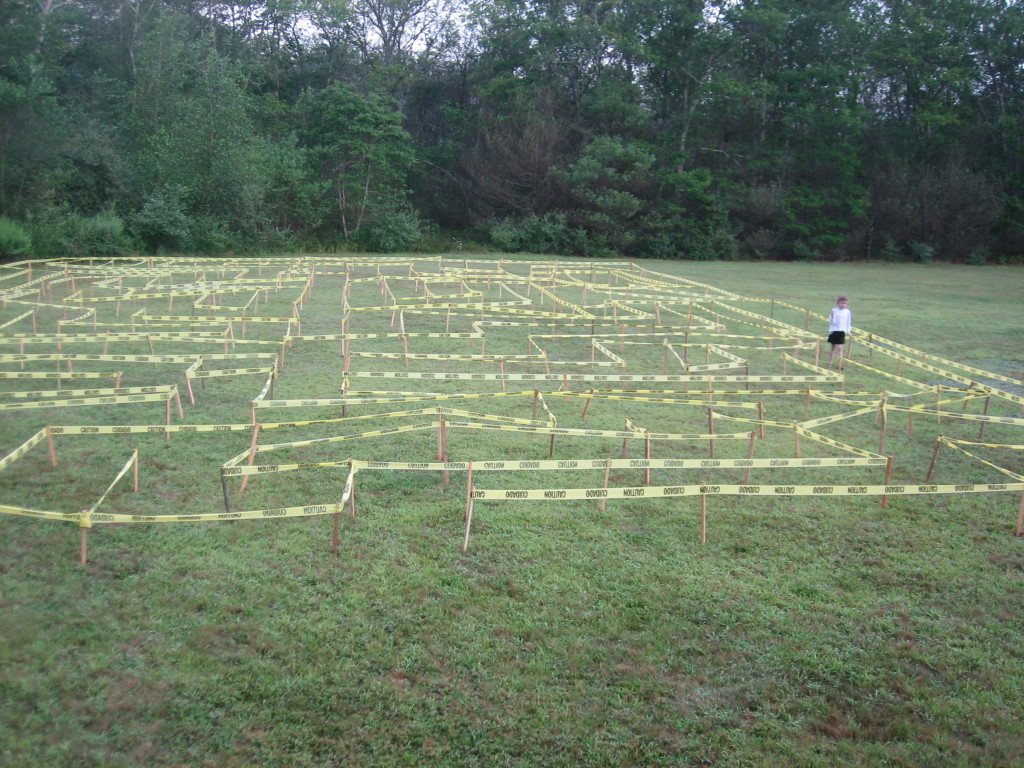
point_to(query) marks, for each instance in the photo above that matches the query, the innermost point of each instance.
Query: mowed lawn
(804, 632)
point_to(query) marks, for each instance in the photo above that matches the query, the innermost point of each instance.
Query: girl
(840, 321)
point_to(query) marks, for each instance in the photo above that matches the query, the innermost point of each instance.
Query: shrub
(891, 251)
(99, 235)
(922, 253)
(162, 223)
(209, 235)
(550, 233)
(979, 257)
(14, 240)
(393, 229)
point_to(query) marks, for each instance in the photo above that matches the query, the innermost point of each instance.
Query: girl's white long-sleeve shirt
(840, 320)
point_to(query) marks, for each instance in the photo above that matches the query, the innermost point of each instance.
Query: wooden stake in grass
(49, 442)
(1020, 518)
(984, 412)
(252, 454)
(882, 413)
(711, 431)
(935, 456)
(750, 455)
(703, 518)
(85, 524)
(224, 488)
(585, 407)
(647, 455)
(469, 507)
(888, 479)
(607, 472)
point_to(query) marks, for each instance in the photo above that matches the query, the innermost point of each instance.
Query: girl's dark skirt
(837, 337)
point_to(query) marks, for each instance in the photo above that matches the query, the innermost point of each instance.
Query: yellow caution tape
(648, 491)
(600, 464)
(588, 377)
(55, 375)
(956, 447)
(924, 410)
(164, 394)
(22, 449)
(227, 372)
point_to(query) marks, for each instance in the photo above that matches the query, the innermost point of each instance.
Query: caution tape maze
(600, 381)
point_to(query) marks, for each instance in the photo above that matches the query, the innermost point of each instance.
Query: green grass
(805, 632)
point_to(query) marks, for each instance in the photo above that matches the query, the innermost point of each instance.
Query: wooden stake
(935, 455)
(252, 454)
(607, 471)
(49, 440)
(469, 507)
(984, 412)
(703, 518)
(888, 480)
(585, 407)
(882, 413)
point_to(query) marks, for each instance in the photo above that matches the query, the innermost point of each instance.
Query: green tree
(358, 145)
(610, 180)
(190, 129)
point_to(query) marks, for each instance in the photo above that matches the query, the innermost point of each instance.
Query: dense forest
(694, 129)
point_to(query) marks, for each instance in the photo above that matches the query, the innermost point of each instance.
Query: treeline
(695, 129)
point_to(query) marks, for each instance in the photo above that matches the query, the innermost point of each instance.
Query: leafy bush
(922, 253)
(550, 233)
(393, 229)
(162, 224)
(209, 235)
(99, 235)
(804, 251)
(280, 240)
(14, 240)
(979, 257)
(891, 251)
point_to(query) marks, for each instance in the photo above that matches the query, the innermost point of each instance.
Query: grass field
(805, 631)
